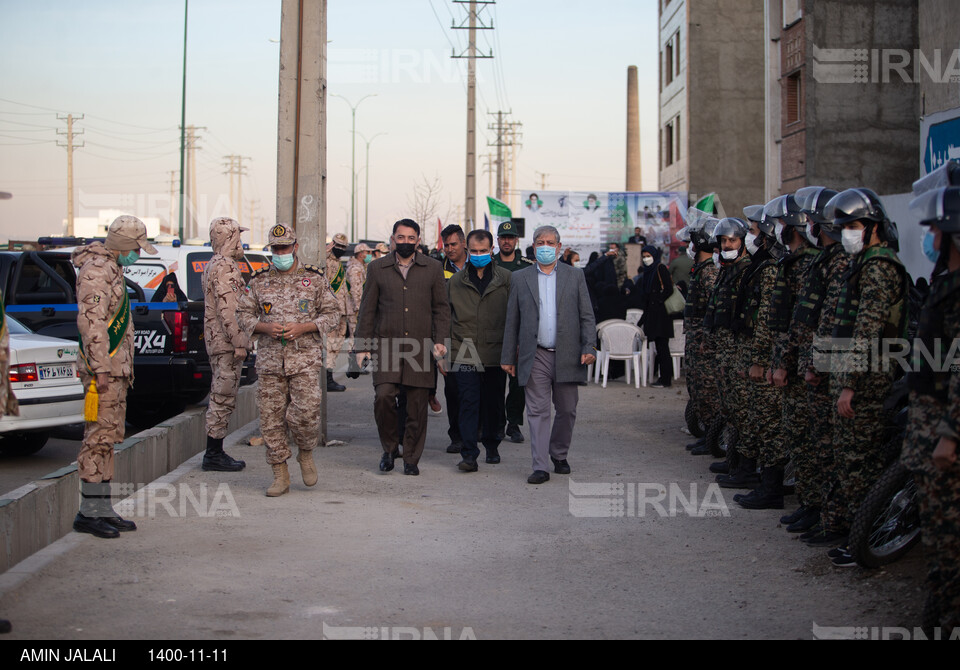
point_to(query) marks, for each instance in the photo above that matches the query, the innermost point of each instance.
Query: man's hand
(510, 370)
(292, 331)
(756, 373)
(845, 404)
(239, 353)
(588, 359)
(103, 381)
(779, 378)
(945, 455)
(271, 330)
(362, 357)
(439, 351)
(812, 378)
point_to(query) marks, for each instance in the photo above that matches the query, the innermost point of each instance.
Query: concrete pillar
(634, 170)
(301, 129)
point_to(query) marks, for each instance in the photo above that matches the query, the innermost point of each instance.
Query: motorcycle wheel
(888, 523)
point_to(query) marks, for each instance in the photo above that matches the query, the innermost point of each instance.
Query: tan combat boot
(281, 481)
(307, 467)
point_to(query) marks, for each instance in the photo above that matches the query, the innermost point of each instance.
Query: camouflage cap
(508, 229)
(127, 233)
(282, 235)
(361, 249)
(383, 248)
(340, 241)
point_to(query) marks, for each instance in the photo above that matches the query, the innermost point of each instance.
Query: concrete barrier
(42, 512)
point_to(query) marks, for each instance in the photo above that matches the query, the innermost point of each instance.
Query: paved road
(482, 555)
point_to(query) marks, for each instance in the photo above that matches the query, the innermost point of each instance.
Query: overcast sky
(561, 68)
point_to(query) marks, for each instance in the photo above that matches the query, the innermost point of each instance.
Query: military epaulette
(313, 268)
(525, 260)
(261, 271)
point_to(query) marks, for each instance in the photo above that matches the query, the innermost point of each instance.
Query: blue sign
(943, 143)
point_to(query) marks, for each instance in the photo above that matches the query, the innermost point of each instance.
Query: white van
(187, 264)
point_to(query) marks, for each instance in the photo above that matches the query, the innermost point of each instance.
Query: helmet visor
(754, 213)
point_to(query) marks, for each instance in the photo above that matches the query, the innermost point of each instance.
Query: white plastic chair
(593, 371)
(676, 345)
(634, 316)
(624, 342)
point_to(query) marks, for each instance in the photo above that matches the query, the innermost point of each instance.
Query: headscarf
(649, 274)
(620, 265)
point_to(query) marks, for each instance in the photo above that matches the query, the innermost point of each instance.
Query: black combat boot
(108, 514)
(215, 459)
(810, 519)
(332, 385)
(743, 477)
(88, 519)
(770, 493)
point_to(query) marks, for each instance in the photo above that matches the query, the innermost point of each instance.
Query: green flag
(707, 204)
(499, 212)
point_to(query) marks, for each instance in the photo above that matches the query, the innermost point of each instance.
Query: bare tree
(424, 203)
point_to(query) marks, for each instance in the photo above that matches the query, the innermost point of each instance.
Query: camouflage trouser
(794, 424)
(939, 494)
(95, 461)
(223, 393)
(815, 469)
(335, 340)
(737, 392)
(289, 402)
(703, 379)
(766, 412)
(858, 450)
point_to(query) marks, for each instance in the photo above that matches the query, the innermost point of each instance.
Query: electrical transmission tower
(235, 167)
(472, 23)
(70, 133)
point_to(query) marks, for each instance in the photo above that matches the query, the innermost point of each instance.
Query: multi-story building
(712, 100)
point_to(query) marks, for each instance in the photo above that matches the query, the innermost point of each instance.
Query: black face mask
(406, 250)
(338, 253)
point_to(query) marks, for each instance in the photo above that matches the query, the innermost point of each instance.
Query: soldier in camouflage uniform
(761, 413)
(933, 429)
(106, 365)
(226, 343)
(699, 352)
(337, 278)
(509, 258)
(356, 277)
(719, 323)
(790, 228)
(872, 310)
(288, 306)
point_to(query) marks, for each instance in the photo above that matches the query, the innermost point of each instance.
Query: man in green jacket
(478, 309)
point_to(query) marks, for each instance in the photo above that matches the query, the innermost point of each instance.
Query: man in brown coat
(404, 318)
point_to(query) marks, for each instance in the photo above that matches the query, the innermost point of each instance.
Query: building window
(676, 136)
(794, 98)
(668, 145)
(676, 49)
(661, 73)
(791, 12)
(668, 63)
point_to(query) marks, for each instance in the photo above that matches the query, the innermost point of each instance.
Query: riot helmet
(862, 204)
(813, 203)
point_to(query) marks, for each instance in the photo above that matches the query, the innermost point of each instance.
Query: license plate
(56, 371)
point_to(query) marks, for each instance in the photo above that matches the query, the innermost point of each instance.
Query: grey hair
(545, 230)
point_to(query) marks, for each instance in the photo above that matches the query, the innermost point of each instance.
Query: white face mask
(692, 252)
(648, 261)
(778, 231)
(852, 241)
(814, 240)
(731, 255)
(716, 258)
(752, 246)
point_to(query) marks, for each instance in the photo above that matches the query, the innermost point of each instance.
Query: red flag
(439, 230)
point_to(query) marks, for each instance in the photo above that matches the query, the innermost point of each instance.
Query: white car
(44, 378)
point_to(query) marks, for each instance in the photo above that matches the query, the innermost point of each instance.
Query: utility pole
(472, 23)
(173, 202)
(183, 121)
(191, 182)
(69, 118)
(500, 143)
(236, 168)
(513, 129)
(543, 179)
(488, 170)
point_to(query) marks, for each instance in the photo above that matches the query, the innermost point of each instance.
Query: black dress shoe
(493, 457)
(455, 447)
(411, 470)
(386, 462)
(95, 526)
(467, 465)
(560, 467)
(513, 432)
(120, 524)
(538, 477)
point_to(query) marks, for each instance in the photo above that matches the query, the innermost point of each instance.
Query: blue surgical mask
(480, 261)
(128, 258)
(546, 255)
(367, 258)
(929, 246)
(283, 263)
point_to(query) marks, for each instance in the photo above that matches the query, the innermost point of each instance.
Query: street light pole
(353, 161)
(366, 207)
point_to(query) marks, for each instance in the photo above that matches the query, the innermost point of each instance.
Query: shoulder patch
(313, 268)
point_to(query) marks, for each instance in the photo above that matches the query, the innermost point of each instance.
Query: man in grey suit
(548, 342)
